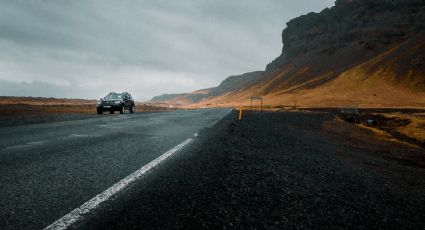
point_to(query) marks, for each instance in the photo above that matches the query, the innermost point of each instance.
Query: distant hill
(230, 85)
(365, 52)
(10, 100)
(182, 99)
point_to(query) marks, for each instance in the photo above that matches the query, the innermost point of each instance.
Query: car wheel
(99, 111)
(133, 109)
(122, 109)
(111, 112)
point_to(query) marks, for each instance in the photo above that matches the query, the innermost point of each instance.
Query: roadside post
(257, 99)
(250, 107)
(261, 105)
(240, 113)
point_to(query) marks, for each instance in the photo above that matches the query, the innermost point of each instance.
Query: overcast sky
(85, 49)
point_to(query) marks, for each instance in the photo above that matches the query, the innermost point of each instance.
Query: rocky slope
(365, 52)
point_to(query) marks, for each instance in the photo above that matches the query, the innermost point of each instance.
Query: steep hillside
(394, 78)
(365, 52)
(236, 83)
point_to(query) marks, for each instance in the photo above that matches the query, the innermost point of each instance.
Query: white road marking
(27, 144)
(78, 135)
(112, 126)
(36, 142)
(78, 213)
(214, 122)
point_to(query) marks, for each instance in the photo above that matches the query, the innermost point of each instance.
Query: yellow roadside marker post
(240, 113)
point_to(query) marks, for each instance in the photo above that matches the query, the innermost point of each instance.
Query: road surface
(283, 170)
(48, 170)
(272, 170)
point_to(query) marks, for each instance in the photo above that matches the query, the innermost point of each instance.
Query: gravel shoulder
(278, 170)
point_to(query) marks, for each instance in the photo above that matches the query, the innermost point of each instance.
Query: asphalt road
(47, 170)
(282, 170)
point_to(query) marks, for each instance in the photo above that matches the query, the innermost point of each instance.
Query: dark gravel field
(278, 171)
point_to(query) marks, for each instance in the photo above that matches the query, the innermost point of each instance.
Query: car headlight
(98, 102)
(117, 102)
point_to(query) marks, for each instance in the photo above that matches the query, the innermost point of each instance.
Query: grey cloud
(39, 89)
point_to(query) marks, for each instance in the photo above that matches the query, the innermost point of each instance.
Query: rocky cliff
(371, 26)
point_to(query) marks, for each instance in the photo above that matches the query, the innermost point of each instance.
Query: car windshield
(112, 96)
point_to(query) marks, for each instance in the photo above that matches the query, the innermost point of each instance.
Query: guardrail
(353, 109)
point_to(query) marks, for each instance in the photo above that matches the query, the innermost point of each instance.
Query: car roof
(119, 93)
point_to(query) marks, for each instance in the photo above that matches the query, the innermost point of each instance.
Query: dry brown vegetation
(413, 127)
(40, 106)
(406, 127)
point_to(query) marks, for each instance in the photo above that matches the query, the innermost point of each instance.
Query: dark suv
(116, 102)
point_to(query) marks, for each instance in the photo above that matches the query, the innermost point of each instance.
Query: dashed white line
(78, 213)
(78, 135)
(215, 122)
(27, 144)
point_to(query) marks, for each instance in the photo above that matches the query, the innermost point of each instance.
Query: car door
(127, 100)
(130, 101)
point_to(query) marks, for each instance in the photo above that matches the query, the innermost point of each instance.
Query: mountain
(230, 85)
(181, 99)
(365, 52)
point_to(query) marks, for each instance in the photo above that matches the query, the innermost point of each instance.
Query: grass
(415, 129)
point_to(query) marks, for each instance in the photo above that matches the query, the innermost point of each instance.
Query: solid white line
(78, 213)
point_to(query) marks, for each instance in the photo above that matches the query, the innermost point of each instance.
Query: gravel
(275, 171)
